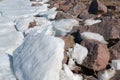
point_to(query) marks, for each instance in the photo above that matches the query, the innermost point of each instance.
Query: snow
(107, 74)
(39, 58)
(91, 21)
(94, 36)
(42, 24)
(71, 64)
(43, 1)
(63, 26)
(42, 21)
(20, 8)
(50, 14)
(10, 39)
(6, 72)
(69, 75)
(78, 53)
(22, 24)
(116, 64)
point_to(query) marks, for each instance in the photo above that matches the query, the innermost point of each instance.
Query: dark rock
(96, 6)
(87, 72)
(93, 8)
(77, 36)
(111, 7)
(115, 51)
(98, 55)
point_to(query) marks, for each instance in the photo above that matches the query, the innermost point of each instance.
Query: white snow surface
(107, 74)
(39, 58)
(94, 36)
(10, 39)
(71, 64)
(116, 64)
(42, 24)
(20, 8)
(91, 21)
(22, 23)
(78, 53)
(69, 75)
(6, 72)
(50, 13)
(63, 26)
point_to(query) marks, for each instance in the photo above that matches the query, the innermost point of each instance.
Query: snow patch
(78, 53)
(32, 59)
(116, 64)
(91, 21)
(94, 36)
(6, 72)
(107, 74)
(63, 26)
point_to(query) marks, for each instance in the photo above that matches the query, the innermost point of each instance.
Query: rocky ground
(65, 40)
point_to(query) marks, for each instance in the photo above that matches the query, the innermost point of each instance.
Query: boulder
(98, 55)
(78, 9)
(107, 28)
(77, 36)
(69, 41)
(63, 15)
(115, 51)
(97, 6)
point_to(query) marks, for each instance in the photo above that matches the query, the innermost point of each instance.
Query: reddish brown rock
(65, 59)
(107, 28)
(98, 55)
(76, 70)
(66, 6)
(79, 9)
(63, 15)
(115, 51)
(69, 41)
(32, 24)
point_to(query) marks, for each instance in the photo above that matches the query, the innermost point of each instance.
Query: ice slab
(39, 58)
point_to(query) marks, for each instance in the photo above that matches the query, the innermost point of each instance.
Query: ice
(6, 72)
(39, 58)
